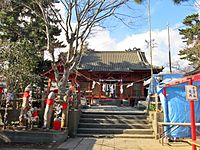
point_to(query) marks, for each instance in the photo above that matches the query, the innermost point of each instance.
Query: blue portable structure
(175, 107)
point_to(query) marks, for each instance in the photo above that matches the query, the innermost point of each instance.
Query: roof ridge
(113, 51)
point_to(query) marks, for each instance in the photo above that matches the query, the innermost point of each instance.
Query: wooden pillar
(156, 101)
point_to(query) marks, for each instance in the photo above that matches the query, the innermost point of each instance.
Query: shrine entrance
(109, 88)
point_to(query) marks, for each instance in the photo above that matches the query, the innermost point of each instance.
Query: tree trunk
(61, 93)
(64, 122)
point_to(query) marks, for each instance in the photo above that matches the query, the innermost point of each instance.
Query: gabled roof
(111, 61)
(125, 61)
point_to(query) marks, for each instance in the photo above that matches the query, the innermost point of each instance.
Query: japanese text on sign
(191, 92)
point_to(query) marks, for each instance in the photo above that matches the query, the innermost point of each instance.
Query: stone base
(32, 136)
(111, 102)
(74, 116)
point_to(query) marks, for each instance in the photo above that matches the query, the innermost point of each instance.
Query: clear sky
(162, 13)
(118, 36)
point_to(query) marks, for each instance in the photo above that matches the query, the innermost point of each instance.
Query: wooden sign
(191, 92)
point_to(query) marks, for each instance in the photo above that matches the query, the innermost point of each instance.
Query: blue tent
(158, 80)
(175, 106)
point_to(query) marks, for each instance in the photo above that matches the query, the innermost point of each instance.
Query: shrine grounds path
(102, 144)
(86, 143)
(120, 144)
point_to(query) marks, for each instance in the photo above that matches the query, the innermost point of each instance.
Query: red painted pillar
(120, 84)
(48, 87)
(164, 91)
(79, 94)
(100, 91)
(142, 88)
(192, 117)
(89, 88)
(90, 92)
(131, 100)
(73, 84)
(132, 79)
(166, 107)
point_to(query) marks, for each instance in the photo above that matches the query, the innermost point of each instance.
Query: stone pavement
(119, 144)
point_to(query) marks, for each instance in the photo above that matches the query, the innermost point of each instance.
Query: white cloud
(197, 5)
(102, 41)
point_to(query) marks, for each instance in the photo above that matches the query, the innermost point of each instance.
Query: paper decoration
(129, 85)
(112, 89)
(93, 84)
(104, 87)
(121, 89)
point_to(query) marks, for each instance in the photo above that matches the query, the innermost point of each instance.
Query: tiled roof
(114, 61)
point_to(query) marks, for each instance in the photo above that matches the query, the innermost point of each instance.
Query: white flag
(112, 89)
(77, 84)
(104, 87)
(121, 89)
(129, 85)
(98, 83)
(93, 84)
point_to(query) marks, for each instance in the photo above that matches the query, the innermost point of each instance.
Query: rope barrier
(77, 72)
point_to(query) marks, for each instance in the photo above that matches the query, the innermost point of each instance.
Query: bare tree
(81, 17)
(178, 67)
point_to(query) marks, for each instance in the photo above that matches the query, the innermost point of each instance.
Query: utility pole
(150, 42)
(170, 64)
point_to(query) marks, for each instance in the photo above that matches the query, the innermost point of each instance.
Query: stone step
(146, 136)
(113, 112)
(114, 121)
(115, 126)
(107, 121)
(116, 116)
(114, 131)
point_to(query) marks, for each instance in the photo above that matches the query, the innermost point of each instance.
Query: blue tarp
(158, 80)
(175, 106)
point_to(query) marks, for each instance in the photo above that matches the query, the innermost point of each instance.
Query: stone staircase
(114, 123)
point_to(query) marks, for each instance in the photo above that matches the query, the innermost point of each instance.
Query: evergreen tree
(23, 40)
(191, 36)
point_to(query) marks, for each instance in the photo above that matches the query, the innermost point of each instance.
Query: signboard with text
(191, 92)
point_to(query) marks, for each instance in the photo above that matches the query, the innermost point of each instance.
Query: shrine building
(111, 75)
